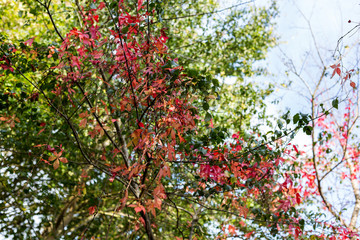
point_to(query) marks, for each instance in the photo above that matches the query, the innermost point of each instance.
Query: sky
(307, 29)
(329, 21)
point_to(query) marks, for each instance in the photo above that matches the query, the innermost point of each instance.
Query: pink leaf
(112, 178)
(101, 5)
(29, 42)
(211, 124)
(140, 2)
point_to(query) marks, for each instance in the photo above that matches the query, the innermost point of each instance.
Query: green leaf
(335, 103)
(296, 118)
(308, 130)
(206, 106)
(125, 29)
(302, 224)
(208, 117)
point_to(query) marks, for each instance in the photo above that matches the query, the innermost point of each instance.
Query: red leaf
(101, 5)
(39, 145)
(336, 70)
(84, 114)
(3, 66)
(51, 149)
(116, 169)
(139, 209)
(163, 37)
(248, 235)
(83, 122)
(41, 131)
(298, 198)
(232, 229)
(335, 66)
(123, 200)
(142, 220)
(141, 124)
(243, 211)
(92, 210)
(63, 160)
(42, 124)
(296, 150)
(352, 84)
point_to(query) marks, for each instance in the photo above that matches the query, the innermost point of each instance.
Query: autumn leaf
(84, 114)
(114, 170)
(112, 178)
(56, 158)
(298, 198)
(135, 137)
(92, 210)
(83, 122)
(138, 208)
(140, 2)
(296, 150)
(39, 145)
(248, 235)
(232, 229)
(41, 130)
(337, 70)
(56, 164)
(101, 5)
(243, 211)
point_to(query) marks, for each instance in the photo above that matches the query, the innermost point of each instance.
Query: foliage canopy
(116, 122)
